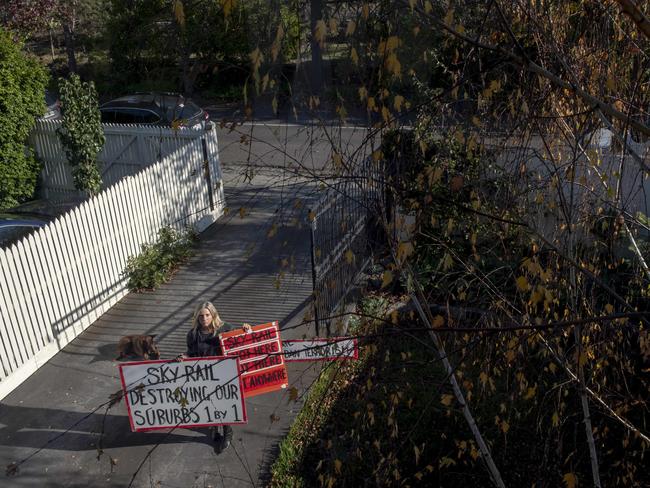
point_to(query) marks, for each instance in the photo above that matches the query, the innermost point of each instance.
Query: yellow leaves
(531, 392)
(311, 216)
(179, 12)
(354, 56)
(446, 400)
(386, 278)
(449, 17)
(351, 27)
(228, 6)
(474, 453)
(293, 394)
(377, 155)
(385, 114)
(393, 65)
(338, 465)
(320, 32)
(522, 284)
(447, 262)
(505, 427)
(337, 160)
(334, 27)
(365, 11)
(397, 102)
(388, 46)
(446, 461)
(483, 378)
(277, 43)
(404, 250)
(433, 174)
(492, 88)
(609, 308)
(242, 212)
(476, 121)
(438, 321)
(256, 58)
(177, 124)
(371, 103)
(349, 256)
(341, 112)
(555, 419)
(582, 359)
(611, 83)
(363, 93)
(570, 480)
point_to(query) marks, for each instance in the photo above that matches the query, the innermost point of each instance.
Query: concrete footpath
(254, 272)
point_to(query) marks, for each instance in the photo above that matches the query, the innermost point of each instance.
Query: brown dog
(141, 346)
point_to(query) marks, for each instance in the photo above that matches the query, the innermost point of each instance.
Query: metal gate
(340, 223)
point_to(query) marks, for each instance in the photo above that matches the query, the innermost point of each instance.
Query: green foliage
(156, 262)
(22, 88)
(81, 133)
(208, 51)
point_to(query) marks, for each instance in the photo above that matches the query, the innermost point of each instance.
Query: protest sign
(192, 392)
(332, 349)
(261, 362)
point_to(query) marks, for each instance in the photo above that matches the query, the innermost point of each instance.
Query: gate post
(206, 169)
(312, 229)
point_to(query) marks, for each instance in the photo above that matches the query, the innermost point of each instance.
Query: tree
(179, 44)
(30, 18)
(22, 88)
(81, 133)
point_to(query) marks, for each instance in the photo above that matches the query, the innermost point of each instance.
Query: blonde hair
(216, 322)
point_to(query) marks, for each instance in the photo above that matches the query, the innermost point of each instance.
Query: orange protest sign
(261, 362)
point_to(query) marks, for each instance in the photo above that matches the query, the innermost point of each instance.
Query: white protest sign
(332, 349)
(189, 393)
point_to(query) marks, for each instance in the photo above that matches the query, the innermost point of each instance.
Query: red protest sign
(261, 363)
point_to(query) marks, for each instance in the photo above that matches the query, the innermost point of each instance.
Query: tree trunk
(68, 37)
(316, 14)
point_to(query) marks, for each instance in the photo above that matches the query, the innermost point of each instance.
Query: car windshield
(179, 109)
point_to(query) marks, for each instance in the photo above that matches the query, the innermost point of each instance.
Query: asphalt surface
(254, 265)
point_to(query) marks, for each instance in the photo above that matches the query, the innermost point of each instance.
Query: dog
(141, 346)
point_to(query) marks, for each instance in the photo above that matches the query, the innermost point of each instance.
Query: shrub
(22, 99)
(81, 133)
(157, 262)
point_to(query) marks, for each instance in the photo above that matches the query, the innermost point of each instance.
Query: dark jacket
(199, 345)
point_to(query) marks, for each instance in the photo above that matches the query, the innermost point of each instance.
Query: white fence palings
(70, 272)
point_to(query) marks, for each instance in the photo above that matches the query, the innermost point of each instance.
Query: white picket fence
(128, 149)
(57, 281)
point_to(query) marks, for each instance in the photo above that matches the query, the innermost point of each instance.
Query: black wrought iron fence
(341, 222)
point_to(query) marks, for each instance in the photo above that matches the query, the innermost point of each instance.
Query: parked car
(163, 109)
(14, 226)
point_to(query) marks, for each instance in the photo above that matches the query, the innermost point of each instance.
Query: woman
(203, 340)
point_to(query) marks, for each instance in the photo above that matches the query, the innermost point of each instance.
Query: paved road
(255, 269)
